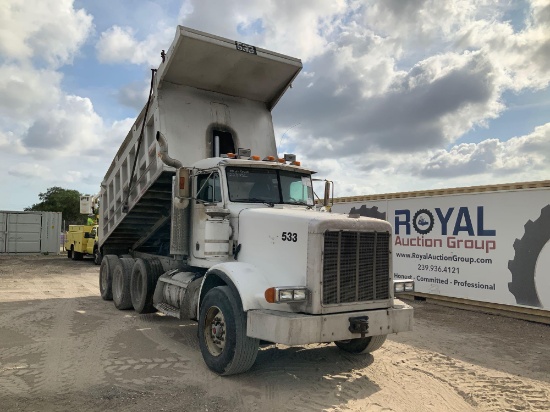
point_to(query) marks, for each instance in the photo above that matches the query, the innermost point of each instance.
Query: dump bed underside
(146, 227)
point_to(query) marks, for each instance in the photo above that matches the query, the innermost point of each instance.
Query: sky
(395, 95)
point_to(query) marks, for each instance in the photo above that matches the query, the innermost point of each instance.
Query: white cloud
(51, 30)
(30, 171)
(71, 127)
(9, 144)
(48, 136)
(520, 158)
(26, 92)
(376, 88)
(521, 59)
(37, 115)
(119, 45)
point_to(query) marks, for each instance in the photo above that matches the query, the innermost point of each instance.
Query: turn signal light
(255, 157)
(231, 155)
(270, 295)
(281, 160)
(296, 163)
(269, 158)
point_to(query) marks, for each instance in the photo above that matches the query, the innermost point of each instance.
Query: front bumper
(299, 329)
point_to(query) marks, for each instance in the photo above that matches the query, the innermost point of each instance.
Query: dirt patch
(62, 348)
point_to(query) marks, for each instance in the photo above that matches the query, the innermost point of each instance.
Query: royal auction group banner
(490, 247)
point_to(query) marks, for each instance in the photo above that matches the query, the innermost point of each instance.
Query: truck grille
(356, 267)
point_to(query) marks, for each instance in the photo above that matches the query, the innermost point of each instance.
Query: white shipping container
(29, 232)
(490, 245)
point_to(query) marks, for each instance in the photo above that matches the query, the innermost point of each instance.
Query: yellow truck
(82, 240)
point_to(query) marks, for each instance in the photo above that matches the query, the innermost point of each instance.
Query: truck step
(167, 309)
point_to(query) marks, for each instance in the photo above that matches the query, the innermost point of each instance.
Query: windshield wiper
(298, 202)
(257, 200)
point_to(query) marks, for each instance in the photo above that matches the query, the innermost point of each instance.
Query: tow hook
(359, 324)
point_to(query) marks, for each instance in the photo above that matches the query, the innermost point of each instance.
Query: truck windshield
(250, 185)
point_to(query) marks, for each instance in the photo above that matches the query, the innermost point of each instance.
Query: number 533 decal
(290, 236)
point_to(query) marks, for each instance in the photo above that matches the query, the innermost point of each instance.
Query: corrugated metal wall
(29, 232)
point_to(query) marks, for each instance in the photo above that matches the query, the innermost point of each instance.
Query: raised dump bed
(207, 89)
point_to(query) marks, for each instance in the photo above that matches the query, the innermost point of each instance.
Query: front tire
(70, 253)
(225, 347)
(362, 345)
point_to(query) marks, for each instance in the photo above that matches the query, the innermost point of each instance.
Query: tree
(57, 199)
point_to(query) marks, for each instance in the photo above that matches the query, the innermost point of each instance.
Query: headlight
(286, 294)
(403, 286)
(300, 294)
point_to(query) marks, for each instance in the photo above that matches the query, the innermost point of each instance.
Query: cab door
(210, 235)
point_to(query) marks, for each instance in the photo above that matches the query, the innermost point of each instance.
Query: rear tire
(70, 253)
(106, 276)
(145, 274)
(225, 347)
(362, 345)
(122, 276)
(76, 255)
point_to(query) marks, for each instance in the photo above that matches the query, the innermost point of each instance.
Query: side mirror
(329, 194)
(182, 191)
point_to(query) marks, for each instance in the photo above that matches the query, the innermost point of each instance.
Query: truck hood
(285, 244)
(316, 222)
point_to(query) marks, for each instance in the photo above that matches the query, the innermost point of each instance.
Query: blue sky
(394, 95)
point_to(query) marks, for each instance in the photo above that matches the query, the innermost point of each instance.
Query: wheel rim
(215, 331)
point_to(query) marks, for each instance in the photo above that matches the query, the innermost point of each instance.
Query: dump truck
(200, 218)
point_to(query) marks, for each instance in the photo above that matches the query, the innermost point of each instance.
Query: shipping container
(29, 232)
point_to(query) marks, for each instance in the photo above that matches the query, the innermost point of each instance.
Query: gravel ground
(62, 348)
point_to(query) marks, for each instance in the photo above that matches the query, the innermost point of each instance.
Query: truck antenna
(283, 135)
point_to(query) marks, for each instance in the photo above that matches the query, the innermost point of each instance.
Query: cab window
(208, 188)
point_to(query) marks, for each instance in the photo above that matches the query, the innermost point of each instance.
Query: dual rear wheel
(129, 282)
